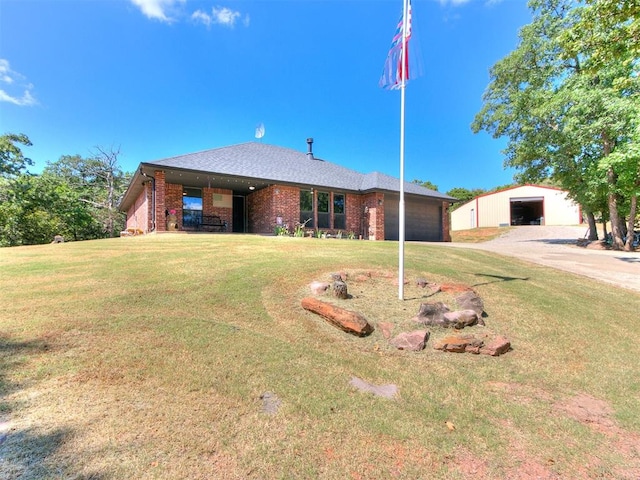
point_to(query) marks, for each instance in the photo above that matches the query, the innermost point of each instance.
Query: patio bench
(213, 223)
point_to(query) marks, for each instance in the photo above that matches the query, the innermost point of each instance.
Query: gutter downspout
(153, 200)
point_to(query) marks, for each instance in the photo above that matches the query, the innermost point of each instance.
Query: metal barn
(521, 205)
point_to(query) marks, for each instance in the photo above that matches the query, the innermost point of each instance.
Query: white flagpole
(401, 225)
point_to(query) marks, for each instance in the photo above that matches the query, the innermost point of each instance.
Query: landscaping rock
(58, 239)
(318, 288)
(421, 282)
(338, 276)
(386, 328)
(346, 320)
(414, 341)
(431, 313)
(497, 346)
(270, 403)
(473, 344)
(386, 391)
(339, 289)
(459, 344)
(470, 300)
(460, 319)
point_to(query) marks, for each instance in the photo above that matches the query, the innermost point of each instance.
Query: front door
(239, 214)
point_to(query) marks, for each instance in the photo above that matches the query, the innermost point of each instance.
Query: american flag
(394, 71)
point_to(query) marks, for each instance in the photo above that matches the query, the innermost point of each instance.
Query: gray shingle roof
(279, 164)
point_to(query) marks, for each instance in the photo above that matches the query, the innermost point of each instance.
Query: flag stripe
(394, 72)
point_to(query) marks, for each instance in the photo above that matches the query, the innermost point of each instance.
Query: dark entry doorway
(527, 211)
(239, 214)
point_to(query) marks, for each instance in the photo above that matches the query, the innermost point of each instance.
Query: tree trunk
(614, 215)
(628, 246)
(593, 229)
(612, 198)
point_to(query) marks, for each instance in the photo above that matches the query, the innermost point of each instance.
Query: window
(323, 210)
(191, 207)
(339, 222)
(306, 208)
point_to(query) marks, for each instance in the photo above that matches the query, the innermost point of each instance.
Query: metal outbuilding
(521, 205)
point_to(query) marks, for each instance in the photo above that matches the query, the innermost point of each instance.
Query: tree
(568, 112)
(426, 184)
(12, 161)
(73, 197)
(464, 195)
(100, 183)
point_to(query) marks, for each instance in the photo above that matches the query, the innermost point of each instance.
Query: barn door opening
(527, 211)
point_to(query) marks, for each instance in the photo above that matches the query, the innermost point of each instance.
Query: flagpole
(401, 223)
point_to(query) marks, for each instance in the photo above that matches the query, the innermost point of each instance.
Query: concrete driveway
(556, 247)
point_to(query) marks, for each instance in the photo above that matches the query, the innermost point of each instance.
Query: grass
(146, 357)
(477, 235)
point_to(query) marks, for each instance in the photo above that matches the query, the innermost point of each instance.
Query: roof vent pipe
(310, 144)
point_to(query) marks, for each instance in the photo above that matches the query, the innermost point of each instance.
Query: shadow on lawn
(26, 453)
(498, 278)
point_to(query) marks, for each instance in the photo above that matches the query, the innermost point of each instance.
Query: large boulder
(346, 320)
(437, 314)
(470, 300)
(460, 319)
(431, 313)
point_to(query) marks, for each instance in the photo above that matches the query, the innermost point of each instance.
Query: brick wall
(446, 222)
(225, 214)
(354, 210)
(139, 213)
(269, 204)
(374, 218)
(173, 201)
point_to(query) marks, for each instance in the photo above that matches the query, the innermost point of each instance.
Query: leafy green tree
(426, 184)
(73, 197)
(12, 161)
(99, 182)
(568, 113)
(464, 195)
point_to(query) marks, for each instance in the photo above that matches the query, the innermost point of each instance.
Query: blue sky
(158, 78)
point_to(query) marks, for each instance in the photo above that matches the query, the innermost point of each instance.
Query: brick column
(446, 222)
(375, 216)
(161, 224)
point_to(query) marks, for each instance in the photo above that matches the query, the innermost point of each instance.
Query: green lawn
(147, 357)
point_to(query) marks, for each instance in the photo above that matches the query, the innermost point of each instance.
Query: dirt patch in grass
(597, 414)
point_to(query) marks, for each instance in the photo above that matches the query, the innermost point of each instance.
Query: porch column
(161, 190)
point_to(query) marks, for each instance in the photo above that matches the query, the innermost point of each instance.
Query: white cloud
(11, 78)
(220, 16)
(158, 9)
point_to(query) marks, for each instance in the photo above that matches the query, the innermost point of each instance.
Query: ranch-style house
(254, 188)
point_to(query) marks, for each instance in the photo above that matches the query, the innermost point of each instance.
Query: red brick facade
(271, 206)
(266, 208)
